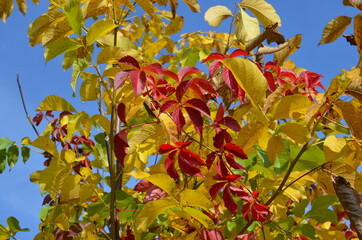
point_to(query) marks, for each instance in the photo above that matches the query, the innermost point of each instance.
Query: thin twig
(24, 106)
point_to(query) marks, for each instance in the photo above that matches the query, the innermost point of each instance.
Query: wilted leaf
(193, 5)
(22, 6)
(175, 25)
(249, 78)
(99, 29)
(6, 7)
(60, 46)
(215, 15)
(334, 29)
(294, 44)
(263, 11)
(55, 103)
(352, 115)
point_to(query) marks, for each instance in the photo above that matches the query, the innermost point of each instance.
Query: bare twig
(260, 38)
(24, 106)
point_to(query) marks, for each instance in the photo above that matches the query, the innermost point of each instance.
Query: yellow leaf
(55, 103)
(94, 8)
(62, 221)
(333, 147)
(216, 14)
(6, 7)
(43, 143)
(152, 209)
(275, 147)
(352, 115)
(294, 44)
(193, 5)
(103, 122)
(109, 54)
(175, 25)
(99, 29)
(292, 106)
(195, 198)
(199, 216)
(22, 6)
(249, 135)
(89, 90)
(247, 27)
(60, 46)
(69, 156)
(70, 193)
(89, 192)
(55, 31)
(146, 6)
(249, 78)
(163, 181)
(334, 29)
(353, 154)
(296, 132)
(358, 31)
(263, 11)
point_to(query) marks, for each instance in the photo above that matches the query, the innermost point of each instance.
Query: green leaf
(99, 29)
(5, 142)
(4, 233)
(60, 46)
(323, 215)
(189, 57)
(55, 103)
(305, 229)
(78, 66)
(263, 11)
(14, 226)
(281, 162)
(74, 15)
(216, 14)
(310, 159)
(249, 78)
(324, 201)
(2, 160)
(13, 155)
(25, 153)
(300, 207)
(199, 216)
(151, 211)
(334, 29)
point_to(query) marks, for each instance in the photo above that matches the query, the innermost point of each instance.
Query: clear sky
(21, 198)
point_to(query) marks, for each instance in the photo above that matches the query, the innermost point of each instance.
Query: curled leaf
(215, 15)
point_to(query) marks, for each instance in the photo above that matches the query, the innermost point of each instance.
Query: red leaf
(130, 61)
(229, 202)
(196, 119)
(271, 82)
(288, 74)
(270, 65)
(187, 71)
(121, 111)
(182, 88)
(230, 81)
(138, 80)
(245, 210)
(221, 168)
(238, 52)
(179, 119)
(166, 148)
(239, 192)
(170, 74)
(231, 161)
(235, 150)
(167, 105)
(183, 144)
(214, 66)
(230, 123)
(220, 113)
(210, 159)
(121, 145)
(154, 193)
(143, 186)
(186, 167)
(154, 68)
(199, 105)
(233, 177)
(169, 166)
(214, 56)
(38, 118)
(120, 79)
(221, 137)
(259, 211)
(213, 234)
(205, 85)
(191, 157)
(215, 189)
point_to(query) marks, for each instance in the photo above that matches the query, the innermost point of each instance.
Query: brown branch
(24, 106)
(260, 38)
(270, 50)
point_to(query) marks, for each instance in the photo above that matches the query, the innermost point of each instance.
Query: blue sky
(19, 197)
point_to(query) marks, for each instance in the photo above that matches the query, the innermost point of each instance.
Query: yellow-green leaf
(99, 29)
(6, 7)
(247, 27)
(250, 134)
(296, 132)
(110, 54)
(193, 5)
(43, 143)
(333, 147)
(195, 198)
(78, 67)
(215, 15)
(175, 25)
(103, 122)
(74, 15)
(89, 90)
(22, 6)
(292, 106)
(70, 190)
(55, 31)
(199, 216)
(249, 78)
(334, 29)
(152, 209)
(275, 148)
(55, 103)
(352, 115)
(294, 44)
(60, 46)
(163, 181)
(263, 11)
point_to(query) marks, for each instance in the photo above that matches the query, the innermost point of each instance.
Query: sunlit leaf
(294, 44)
(6, 7)
(22, 6)
(13, 155)
(296, 132)
(60, 46)
(263, 11)
(42, 143)
(163, 181)
(175, 25)
(55, 103)
(293, 106)
(247, 27)
(146, 6)
(193, 5)
(334, 29)
(78, 66)
(195, 198)
(99, 29)
(352, 115)
(74, 15)
(333, 147)
(5, 142)
(14, 226)
(215, 15)
(199, 216)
